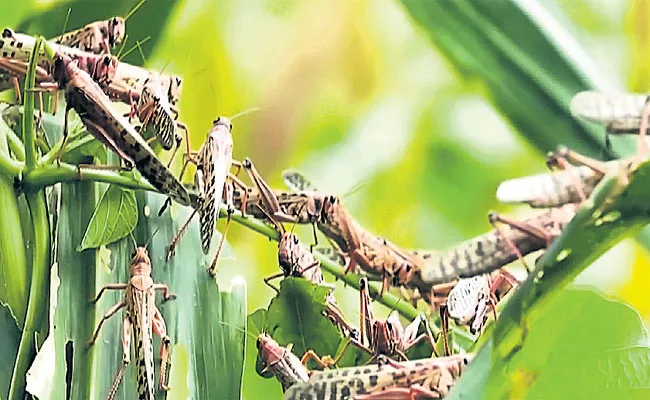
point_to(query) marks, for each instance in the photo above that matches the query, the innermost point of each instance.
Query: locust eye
(216, 121)
(259, 342)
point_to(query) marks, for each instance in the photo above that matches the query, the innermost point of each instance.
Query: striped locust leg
(426, 378)
(95, 110)
(388, 336)
(141, 321)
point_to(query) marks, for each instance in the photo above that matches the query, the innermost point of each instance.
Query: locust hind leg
(172, 245)
(126, 357)
(444, 328)
(524, 227)
(160, 329)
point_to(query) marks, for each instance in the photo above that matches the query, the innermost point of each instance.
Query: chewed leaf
(115, 217)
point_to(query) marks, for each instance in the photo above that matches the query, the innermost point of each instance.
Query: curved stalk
(37, 305)
(50, 174)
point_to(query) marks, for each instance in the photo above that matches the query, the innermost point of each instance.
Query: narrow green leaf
(115, 217)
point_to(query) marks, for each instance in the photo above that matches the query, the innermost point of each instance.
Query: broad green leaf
(577, 347)
(115, 217)
(295, 316)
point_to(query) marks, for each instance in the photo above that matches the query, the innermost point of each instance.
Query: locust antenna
(242, 113)
(65, 23)
(137, 46)
(134, 9)
(146, 246)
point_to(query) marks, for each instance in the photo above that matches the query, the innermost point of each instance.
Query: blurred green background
(356, 96)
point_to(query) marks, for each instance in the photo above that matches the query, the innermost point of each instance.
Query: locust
(430, 378)
(142, 319)
(573, 181)
(94, 108)
(373, 254)
(152, 108)
(619, 112)
(470, 299)
(97, 37)
(489, 251)
(283, 364)
(388, 336)
(213, 181)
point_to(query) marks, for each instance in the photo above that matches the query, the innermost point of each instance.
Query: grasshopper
(373, 254)
(213, 181)
(152, 108)
(430, 378)
(619, 112)
(94, 109)
(283, 364)
(388, 336)
(490, 251)
(96, 37)
(570, 184)
(142, 320)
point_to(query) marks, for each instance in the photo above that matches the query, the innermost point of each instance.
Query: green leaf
(295, 316)
(115, 217)
(577, 347)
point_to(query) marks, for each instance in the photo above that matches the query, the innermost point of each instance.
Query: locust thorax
(100, 68)
(387, 334)
(141, 264)
(288, 253)
(116, 31)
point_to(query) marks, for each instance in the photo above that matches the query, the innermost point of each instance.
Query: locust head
(62, 69)
(140, 263)
(269, 352)
(222, 121)
(116, 31)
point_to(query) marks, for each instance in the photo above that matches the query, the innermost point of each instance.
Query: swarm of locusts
(463, 283)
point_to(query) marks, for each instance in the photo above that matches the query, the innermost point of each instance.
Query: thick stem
(51, 174)
(37, 305)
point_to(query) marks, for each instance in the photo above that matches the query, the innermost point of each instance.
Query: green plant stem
(38, 293)
(8, 166)
(15, 144)
(49, 174)
(28, 114)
